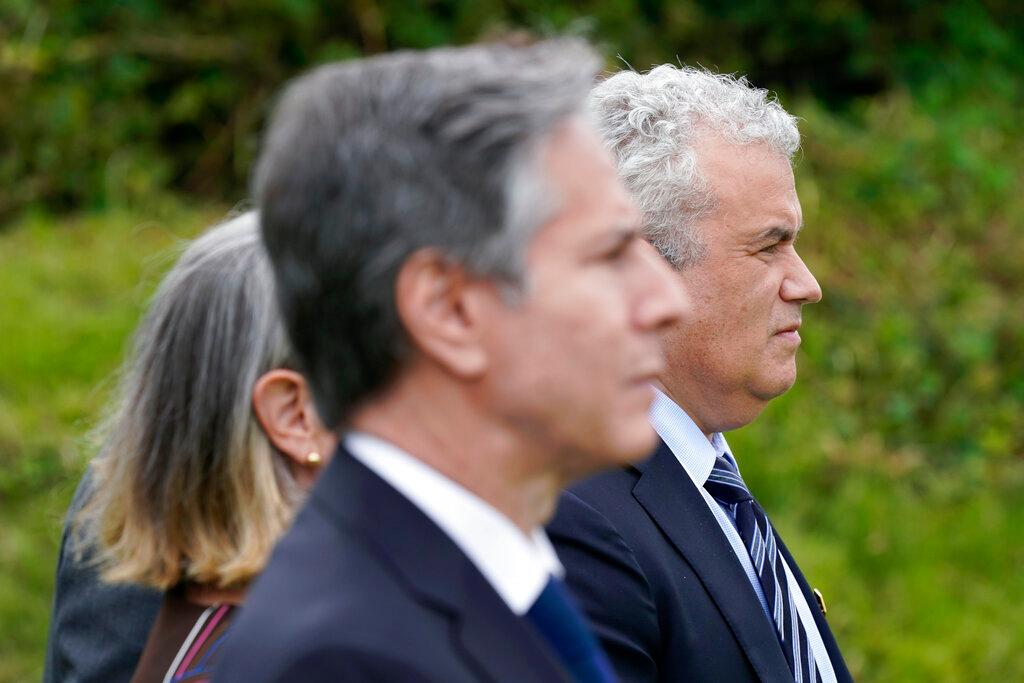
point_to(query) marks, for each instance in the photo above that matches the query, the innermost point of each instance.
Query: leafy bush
(109, 100)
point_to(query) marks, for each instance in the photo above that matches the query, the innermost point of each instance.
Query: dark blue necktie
(560, 623)
(727, 487)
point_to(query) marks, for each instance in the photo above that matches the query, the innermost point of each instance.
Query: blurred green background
(894, 469)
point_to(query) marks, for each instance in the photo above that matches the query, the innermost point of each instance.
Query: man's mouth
(789, 333)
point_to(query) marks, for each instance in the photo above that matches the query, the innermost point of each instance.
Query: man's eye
(618, 252)
(771, 248)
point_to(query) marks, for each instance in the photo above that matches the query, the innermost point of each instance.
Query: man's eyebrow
(620, 234)
(616, 238)
(777, 234)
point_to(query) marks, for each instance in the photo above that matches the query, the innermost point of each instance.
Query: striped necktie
(727, 487)
(560, 623)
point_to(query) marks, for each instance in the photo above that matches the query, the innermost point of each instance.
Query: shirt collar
(516, 565)
(685, 439)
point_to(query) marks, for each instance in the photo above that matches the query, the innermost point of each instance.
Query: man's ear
(442, 308)
(283, 405)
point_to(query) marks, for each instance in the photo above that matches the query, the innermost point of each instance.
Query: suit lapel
(502, 644)
(669, 496)
(497, 643)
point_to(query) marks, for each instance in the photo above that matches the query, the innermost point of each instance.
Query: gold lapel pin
(821, 602)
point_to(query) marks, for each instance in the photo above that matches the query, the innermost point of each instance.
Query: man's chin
(640, 444)
(631, 444)
(775, 386)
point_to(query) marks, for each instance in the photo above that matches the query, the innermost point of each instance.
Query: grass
(72, 291)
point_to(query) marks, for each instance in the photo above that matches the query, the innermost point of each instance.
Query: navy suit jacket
(661, 584)
(365, 587)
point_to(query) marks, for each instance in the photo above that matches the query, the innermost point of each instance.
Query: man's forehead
(715, 152)
(583, 175)
(751, 174)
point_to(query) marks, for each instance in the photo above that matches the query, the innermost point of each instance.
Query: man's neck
(682, 403)
(441, 429)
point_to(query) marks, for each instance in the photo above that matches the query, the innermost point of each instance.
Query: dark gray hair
(652, 121)
(187, 485)
(366, 162)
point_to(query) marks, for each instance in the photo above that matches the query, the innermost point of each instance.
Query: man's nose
(800, 285)
(665, 299)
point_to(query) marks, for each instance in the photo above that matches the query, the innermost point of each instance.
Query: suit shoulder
(612, 484)
(610, 583)
(583, 536)
(609, 494)
(331, 569)
(353, 610)
(324, 662)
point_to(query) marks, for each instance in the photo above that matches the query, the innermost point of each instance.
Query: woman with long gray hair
(210, 445)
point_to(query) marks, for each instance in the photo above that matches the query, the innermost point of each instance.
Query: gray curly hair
(652, 122)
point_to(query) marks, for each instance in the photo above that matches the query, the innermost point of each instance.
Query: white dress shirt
(516, 565)
(697, 456)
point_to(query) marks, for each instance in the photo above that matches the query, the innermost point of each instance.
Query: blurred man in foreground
(679, 569)
(461, 274)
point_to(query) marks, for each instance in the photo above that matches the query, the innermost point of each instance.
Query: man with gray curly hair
(679, 568)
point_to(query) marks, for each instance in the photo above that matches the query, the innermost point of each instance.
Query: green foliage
(106, 101)
(894, 468)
